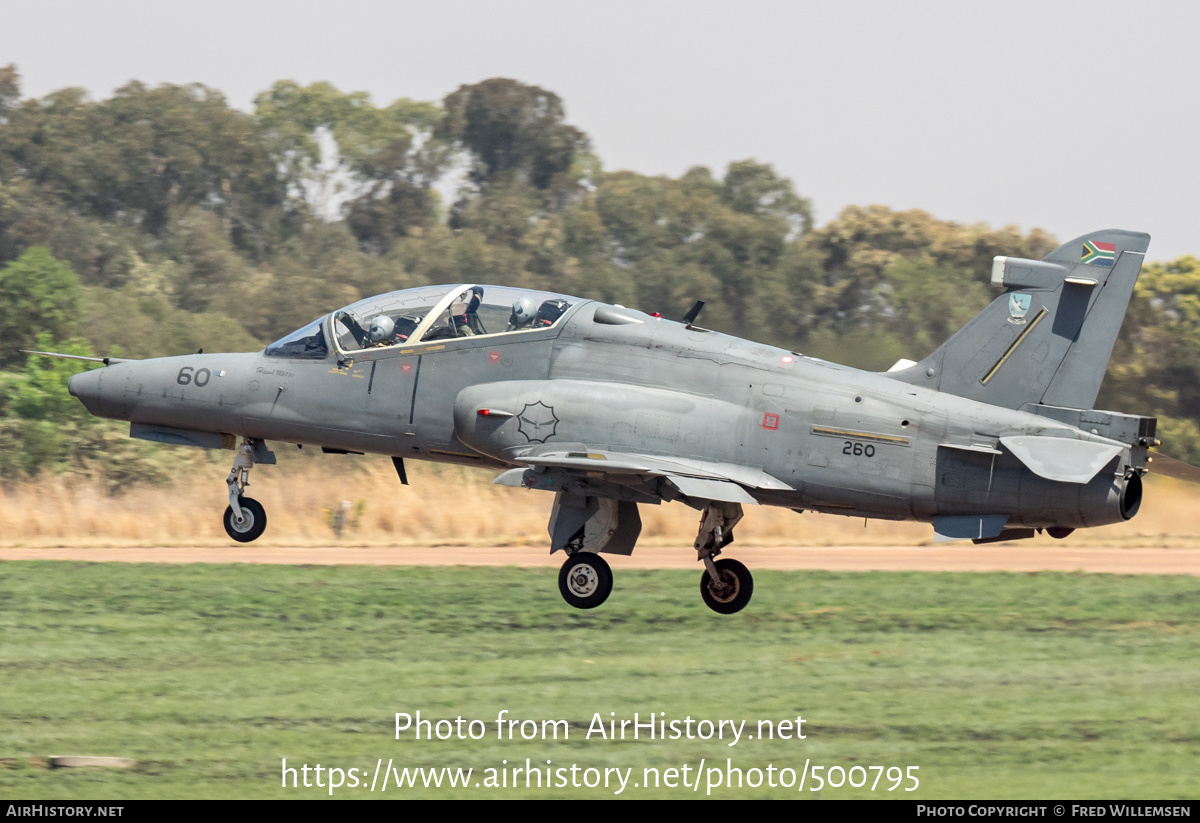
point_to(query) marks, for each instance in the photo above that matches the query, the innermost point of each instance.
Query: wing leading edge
(697, 479)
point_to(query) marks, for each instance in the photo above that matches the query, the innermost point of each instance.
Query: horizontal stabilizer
(1060, 458)
(978, 448)
(1170, 467)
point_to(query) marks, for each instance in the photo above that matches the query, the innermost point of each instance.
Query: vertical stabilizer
(1048, 337)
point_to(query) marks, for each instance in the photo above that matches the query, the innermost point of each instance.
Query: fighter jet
(991, 437)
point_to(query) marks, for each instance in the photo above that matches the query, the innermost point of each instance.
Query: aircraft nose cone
(86, 386)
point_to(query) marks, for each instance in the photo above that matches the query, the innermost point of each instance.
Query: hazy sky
(1069, 116)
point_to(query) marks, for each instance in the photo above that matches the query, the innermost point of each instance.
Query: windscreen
(308, 342)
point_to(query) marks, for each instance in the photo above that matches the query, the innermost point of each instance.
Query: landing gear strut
(245, 518)
(726, 585)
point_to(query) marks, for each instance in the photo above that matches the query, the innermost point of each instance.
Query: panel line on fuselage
(412, 403)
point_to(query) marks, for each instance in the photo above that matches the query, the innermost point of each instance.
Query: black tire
(735, 595)
(254, 521)
(585, 580)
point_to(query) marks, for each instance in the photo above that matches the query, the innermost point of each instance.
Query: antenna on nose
(105, 360)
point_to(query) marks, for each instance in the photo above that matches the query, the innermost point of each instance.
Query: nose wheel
(252, 523)
(585, 580)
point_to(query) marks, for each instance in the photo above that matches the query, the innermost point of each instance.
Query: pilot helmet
(382, 329)
(523, 311)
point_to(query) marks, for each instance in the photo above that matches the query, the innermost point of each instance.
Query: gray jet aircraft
(991, 437)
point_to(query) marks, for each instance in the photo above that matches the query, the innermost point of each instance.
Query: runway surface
(947, 557)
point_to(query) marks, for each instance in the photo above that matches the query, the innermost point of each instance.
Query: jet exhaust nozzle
(1131, 496)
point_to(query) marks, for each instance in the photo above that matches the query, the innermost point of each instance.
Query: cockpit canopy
(422, 315)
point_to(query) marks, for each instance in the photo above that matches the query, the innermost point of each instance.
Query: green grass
(995, 685)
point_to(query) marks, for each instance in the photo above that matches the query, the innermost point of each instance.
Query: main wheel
(254, 521)
(739, 585)
(585, 580)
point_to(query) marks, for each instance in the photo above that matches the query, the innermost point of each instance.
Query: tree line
(162, 220)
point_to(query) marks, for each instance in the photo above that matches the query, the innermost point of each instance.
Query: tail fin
(1048, 338)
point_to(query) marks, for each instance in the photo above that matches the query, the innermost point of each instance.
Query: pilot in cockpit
(382, 331)
(465, 313)
(524, 310)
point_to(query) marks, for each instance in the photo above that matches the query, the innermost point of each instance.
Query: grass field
(445, 505)
(994, 685)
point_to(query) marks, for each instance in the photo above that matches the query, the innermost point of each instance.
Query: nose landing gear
(245, 518)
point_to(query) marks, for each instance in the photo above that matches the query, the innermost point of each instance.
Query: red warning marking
(771, 421)
(494, 356)
(406, 367)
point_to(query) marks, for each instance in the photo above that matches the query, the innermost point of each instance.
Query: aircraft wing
(692, 478)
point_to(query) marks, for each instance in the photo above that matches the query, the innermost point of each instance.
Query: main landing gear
(245, 518)
(726, 585)
(733, 592)
(585, 580)
(584, 527)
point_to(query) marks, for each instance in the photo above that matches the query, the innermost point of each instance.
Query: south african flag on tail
(1099, 254)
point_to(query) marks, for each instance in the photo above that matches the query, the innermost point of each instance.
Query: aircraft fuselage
(826, 437)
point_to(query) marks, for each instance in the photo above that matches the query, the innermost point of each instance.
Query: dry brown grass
(445, 505)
